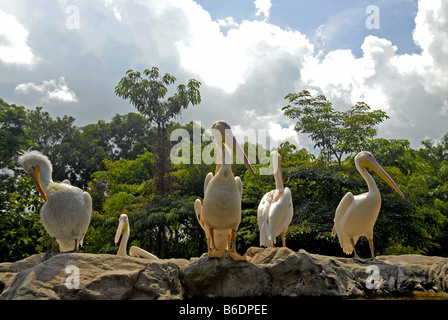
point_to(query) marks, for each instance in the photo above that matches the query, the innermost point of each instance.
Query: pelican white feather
(355, 216)
(220, 212)
(275, 210)
(67, 210)
(125, 230)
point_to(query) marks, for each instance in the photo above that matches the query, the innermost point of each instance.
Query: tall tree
(146, 93)
(58, 139)
(12, 134)
(335, 133)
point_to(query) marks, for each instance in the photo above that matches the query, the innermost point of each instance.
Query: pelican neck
(45, 177)
(371, 184)
(278, 176)
(225, 164)
(123, 243)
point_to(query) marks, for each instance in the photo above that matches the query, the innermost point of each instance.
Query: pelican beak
(122, 227)
(238, 150)
(280, 168)
(278, 172)
(373, 165)
(34, 173)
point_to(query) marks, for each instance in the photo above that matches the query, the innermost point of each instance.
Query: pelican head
(224, 138)
(365, 159)
(37, 165)
(123, 227)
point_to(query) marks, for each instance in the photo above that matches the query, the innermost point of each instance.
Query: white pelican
(275, 209)
(220, 213)
(123, 227)
(356, 215)
(221, 238)
(67, 209)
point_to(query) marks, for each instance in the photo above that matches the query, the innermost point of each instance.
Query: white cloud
(411, 88)
(246, 65)
(110, 4)
(430, 33)
(227, 22)
(228, 61)
(269, 130)
(263, 7)
(13, 41)
(49, 90)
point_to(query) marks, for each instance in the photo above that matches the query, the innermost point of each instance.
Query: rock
(282, 272)
(270, 272)
(90, 276)
(224, 277)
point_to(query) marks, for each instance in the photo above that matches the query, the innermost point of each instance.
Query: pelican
(275, 209)
(356, 215)
(123, 228)
(67, 209)
(220, 237)
(220, 212)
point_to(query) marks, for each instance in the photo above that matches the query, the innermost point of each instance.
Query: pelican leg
(76, 246)
(372, 251)
(53, 245)
(232, 248)
(208, 245)
(356, 257)
(214, 253)
(53, 250)
(283, 239)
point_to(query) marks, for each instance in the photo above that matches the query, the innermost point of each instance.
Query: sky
(68, 56)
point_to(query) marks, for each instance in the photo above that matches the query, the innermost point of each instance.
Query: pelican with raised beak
(220, 213)
(356, 215)
(67, 210)
(123, 228)
(275, 210)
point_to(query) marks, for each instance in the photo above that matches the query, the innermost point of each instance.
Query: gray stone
(270, 272)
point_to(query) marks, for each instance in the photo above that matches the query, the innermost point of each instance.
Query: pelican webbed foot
(53, 245)
(235, 255)
(216, 253)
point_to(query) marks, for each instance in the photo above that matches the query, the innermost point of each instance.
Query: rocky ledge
(271, 272)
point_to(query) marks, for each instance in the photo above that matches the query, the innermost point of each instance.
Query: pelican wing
(280, 213)
(198, 212)
(207, 180)
(88, 201)
(263, 219)
(341, 210)
(140, 253)
(239, 185)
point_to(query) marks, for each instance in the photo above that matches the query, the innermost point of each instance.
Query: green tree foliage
(116, 163)
(12, 134)
(146, 93)
(335, 133)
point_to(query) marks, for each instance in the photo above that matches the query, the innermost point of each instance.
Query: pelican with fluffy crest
(275, 209)
(220, 212)
(67, 209)
(356, 215)
(123, 228)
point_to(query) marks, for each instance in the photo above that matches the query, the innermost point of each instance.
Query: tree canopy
(146, 93)
(116, 162)
(335, 133)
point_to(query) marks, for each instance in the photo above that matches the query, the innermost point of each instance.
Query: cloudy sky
(67, 56)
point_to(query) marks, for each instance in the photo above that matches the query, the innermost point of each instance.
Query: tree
(59, 140)
(12, 133)
(335, 133)
(146, 93)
